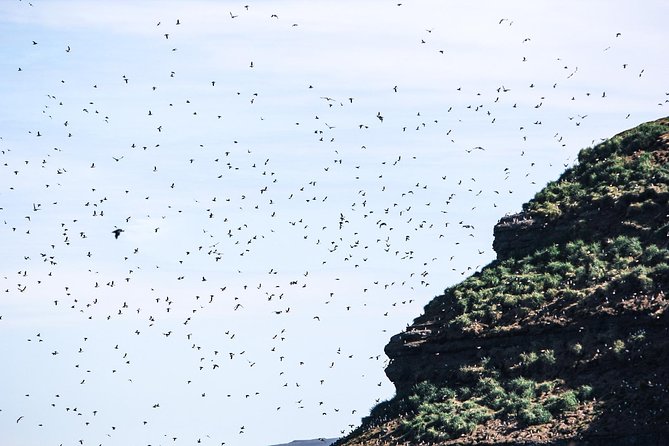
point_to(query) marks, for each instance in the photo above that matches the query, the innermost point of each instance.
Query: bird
(117, 232)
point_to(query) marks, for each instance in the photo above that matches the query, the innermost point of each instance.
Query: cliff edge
(564, 339)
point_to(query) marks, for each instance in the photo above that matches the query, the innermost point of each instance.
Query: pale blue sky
(277, 232)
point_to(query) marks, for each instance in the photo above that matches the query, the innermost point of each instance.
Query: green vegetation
(482, 392)
(514, 289)
(441, 413)
(611, 171)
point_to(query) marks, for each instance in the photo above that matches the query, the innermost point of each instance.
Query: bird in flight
(117, 232)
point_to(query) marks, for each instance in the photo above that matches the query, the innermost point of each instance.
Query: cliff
(564, 339)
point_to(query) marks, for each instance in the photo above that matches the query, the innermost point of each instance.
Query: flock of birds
(176, 245)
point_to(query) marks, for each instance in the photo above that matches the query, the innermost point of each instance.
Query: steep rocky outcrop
(565, 337)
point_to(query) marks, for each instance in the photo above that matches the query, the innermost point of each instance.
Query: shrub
(532, 300)
(551, 281)
(576, 348)
(465, 392)
(514, 404)
(565, 401)
(454, 425)
(430, 393)
(493, 394)
(640, 278)
(440, 413)
(652, 255)
(509, 301)
(524, 387)
(660, 271)
(461, 321)
(534, 413)
(547, 358)
(476, 413)
(624, 246)
(469, 372)
(442, 416)
(584, 392)
(528, 359)
(618, 348)
(572, 295)
(643, 137)
(387, 409)
(545, 387)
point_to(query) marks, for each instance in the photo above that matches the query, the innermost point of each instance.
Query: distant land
(315, 442)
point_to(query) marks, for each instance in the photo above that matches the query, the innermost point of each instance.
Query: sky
(294, 181)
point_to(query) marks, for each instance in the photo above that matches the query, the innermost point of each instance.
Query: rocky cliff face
(565, 337)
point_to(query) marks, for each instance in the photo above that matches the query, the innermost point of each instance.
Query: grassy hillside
(564, 336)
